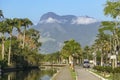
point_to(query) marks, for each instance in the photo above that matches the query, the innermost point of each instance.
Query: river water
(29, 75)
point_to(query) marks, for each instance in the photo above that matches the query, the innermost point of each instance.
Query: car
(86, 63)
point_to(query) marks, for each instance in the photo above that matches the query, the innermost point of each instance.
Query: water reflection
(29, 75)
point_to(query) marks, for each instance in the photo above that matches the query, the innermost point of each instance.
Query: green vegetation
(107, 72)
(20, 49)
(71, 48)
(52, 58)
(73, 73)
(108, 41)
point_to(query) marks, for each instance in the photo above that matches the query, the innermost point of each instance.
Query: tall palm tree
(18, 25)
(34, 35)
(26, 23)
(111, 26)
(87, 49)
(3, 31)
(1, 14)
(10, 25)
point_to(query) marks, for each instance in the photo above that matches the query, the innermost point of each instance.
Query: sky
(34, 9)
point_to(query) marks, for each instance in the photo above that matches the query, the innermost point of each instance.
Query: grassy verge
(108, 76)
(73, 73)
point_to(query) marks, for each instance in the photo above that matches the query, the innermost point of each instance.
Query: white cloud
(50, 20)
(84, 20)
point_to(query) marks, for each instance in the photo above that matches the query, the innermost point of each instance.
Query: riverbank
(12, 69)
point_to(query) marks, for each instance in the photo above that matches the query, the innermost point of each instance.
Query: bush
(116, 70)
(3, 64)
(107, 69)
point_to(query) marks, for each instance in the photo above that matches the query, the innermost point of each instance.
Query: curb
(97, 75)
(76, 77)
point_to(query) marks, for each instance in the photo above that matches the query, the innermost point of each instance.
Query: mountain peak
(51, 13)
(48, 15)
(52, 17)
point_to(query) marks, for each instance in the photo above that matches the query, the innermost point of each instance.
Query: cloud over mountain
(55, 29)
(50, 20)
(83, 20)
(51, 17)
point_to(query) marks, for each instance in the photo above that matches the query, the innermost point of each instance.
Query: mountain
(56, 29)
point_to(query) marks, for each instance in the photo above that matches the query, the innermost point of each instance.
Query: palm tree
(18, 25)
(10, 25)
(87, 49)
(3, 31)
(112, 9)
(112, 27)
(71, 48)
(32, 37)
(26, 23)
(1, 14)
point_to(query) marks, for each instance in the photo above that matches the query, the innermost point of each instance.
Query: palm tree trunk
(24, 38)
(9, 49)
(3, 48)
(101, 59)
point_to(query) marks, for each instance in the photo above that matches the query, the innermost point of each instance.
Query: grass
(101, 74)
(111, 77)
(73, 73)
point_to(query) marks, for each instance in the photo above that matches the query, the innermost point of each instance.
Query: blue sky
(34, 9)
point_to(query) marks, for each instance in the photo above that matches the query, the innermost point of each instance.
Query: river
(45, 74)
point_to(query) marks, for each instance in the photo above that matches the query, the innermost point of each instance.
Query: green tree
(31, 49)
(71, 48)
(86, 52)
(112, 8)
(3, 31)
(10, 26)
(18, 24)
(35, 36)
(26, 23)
(1, 14)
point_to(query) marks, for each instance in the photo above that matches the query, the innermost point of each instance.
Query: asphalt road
(83, 74)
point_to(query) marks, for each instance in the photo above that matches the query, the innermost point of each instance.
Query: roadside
(84, 74)
(95, 74)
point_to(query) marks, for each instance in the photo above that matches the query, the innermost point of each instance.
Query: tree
(3, 31)
(71, 48)
(26, 23)
(10, 26)
(1, 14)
(33, 35)
(31, 49)
(86, 50)
(112, 8)
(18, 24)
(103, 45)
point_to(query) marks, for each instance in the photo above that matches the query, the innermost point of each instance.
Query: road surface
(83, 74)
